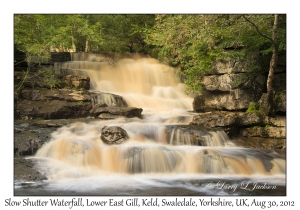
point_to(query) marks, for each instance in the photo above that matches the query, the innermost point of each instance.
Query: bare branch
(20, 62)
(258, 31)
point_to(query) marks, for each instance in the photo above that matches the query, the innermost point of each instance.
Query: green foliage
(254, 108)
(125, 32)
(267, 126)
(189, 43)
(49, 76)
(192, 43)
(254, 128)
(40, 34)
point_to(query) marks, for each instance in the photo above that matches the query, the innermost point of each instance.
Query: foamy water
(156, 155)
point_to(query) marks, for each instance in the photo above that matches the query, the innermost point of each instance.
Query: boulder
(96, 111)
(113, 135)
(109, 99)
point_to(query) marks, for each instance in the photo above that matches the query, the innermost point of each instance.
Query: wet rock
(24, 170)
(97, 106)
(30, 135)
(107, 116)
(113, 135)
(27, 140)
(195, 135)
(53, 104)
(63, 103)
(56, 94)
(54, 109)
(152, 159)
(109, 99)
(77, 82)
(116, 112)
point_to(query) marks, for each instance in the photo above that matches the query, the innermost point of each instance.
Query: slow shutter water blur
(163, 156)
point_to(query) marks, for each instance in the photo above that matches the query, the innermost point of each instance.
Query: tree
(125, 33)
(191, 43)
(32, 34)
(267, 100)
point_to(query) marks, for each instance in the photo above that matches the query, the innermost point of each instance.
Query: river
(161, 156)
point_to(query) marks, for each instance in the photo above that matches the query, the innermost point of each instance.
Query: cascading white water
(76, 150)
(142, 83)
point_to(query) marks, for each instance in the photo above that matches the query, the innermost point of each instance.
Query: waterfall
(142, 83)
(160, 144)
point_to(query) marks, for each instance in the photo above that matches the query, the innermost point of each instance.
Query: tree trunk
(267, 100)
(274, 59)
(86, 45)
(73, 44)
(269, 106)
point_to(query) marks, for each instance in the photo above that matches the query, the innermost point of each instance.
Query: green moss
(267, 126)
(254, 128)
(254, 108)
